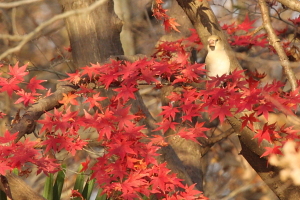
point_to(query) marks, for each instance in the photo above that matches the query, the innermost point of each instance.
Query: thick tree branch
(292, 4)
(252, 153)
(275, 42)
(246, 136)
(27, 123)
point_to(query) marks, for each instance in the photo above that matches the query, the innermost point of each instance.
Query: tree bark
(94, 37)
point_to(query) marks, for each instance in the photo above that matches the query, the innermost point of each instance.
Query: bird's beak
(212, 43)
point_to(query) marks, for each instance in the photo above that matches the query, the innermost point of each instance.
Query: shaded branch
(275, 42)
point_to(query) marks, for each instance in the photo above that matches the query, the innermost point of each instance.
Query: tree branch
(292, 4)
(27, 123)
(46, 24)
(275, 42)
(17, 3)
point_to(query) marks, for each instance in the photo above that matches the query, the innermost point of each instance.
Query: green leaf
(79, 182)
(48, 189)
(88, 188)
(15, 171)
(101, 197)
(59, 183)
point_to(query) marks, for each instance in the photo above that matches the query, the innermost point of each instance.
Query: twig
(43, 25)
(17, 3)
(211, 141)
(275, 42)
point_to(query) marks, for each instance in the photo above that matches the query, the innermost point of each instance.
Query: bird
(217, 61)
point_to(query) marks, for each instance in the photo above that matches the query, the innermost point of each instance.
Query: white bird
(217, 61)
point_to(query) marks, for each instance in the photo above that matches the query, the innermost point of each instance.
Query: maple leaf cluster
(161, 14)
(240, 34)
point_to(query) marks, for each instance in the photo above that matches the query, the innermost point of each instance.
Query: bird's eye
(217, 40)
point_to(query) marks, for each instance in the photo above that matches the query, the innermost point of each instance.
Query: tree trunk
(95, 36)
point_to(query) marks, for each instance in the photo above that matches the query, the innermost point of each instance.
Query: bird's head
(215, 43)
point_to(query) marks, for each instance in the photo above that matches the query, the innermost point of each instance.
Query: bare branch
(275, 42)
(211, 141)
(18, 3)
(43, 25)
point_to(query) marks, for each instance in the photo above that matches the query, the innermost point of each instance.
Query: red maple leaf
(158, 140)
(94, 101)
(264, 108)
(162, 180)
(165, 125)
(77, 194)
(125, 92)
(75, 145)
(9, 85)
(187, 134)
(26, 97)
(249, 120)
(246, 24)
(8, 137)
(56, 143)
(121, 148)
(265, 133)
(231, 28)
(148, 75)
(272, 150)
(2, 115)
(4, 167)
(34, 84)
(199, 130)
(170, 23)
(47, 165)
(91, 70)
(73, 77)
(123, 117)
(169, 111)
(296, 21)
(18, 72)
(191, 193)
(220, 111)
(69, 98)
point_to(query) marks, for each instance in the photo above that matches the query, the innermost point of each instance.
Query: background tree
(99, 109)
